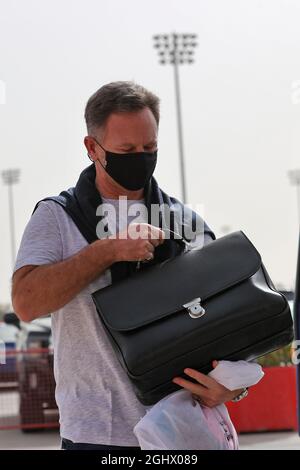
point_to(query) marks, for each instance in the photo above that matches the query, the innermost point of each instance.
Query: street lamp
(11, 177)
(294, 176)
(177, 49)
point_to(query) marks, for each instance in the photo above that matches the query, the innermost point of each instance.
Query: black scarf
(80, 203)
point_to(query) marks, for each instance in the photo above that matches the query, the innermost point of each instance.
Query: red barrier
(271, 404)
(27, 389)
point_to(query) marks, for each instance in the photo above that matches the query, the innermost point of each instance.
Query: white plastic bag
(179, 422)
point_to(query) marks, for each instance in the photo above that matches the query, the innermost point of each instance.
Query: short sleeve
(41, 241)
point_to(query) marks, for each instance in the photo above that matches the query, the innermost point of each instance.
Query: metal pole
(296, 317)
(179, 119)
(11, 177)
(12, 224)
(177, 49)
(294, 176)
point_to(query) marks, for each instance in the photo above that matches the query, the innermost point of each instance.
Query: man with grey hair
(62, 261)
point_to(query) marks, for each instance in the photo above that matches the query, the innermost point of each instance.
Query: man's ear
(90, 146)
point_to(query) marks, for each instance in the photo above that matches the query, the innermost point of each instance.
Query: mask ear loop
(94, 161)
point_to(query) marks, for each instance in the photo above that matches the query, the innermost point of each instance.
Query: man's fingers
(194, 388)
(150, 247)
(201, 378)
(154, 242)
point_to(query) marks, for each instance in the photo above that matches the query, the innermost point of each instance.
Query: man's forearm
(49, 287)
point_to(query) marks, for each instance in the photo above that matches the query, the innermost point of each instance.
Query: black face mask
(130, 170)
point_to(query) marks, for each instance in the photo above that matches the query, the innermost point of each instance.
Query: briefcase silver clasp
(195, 308)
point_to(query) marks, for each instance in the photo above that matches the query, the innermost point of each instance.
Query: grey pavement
(50, 440)
(41, 440)
(287, 440)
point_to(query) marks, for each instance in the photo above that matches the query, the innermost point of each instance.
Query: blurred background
(239, 95)
(240, 103)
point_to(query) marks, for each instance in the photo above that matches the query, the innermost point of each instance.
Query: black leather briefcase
(217, 302)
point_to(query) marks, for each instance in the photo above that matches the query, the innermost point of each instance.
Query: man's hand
(209, 392)
(137, 242)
